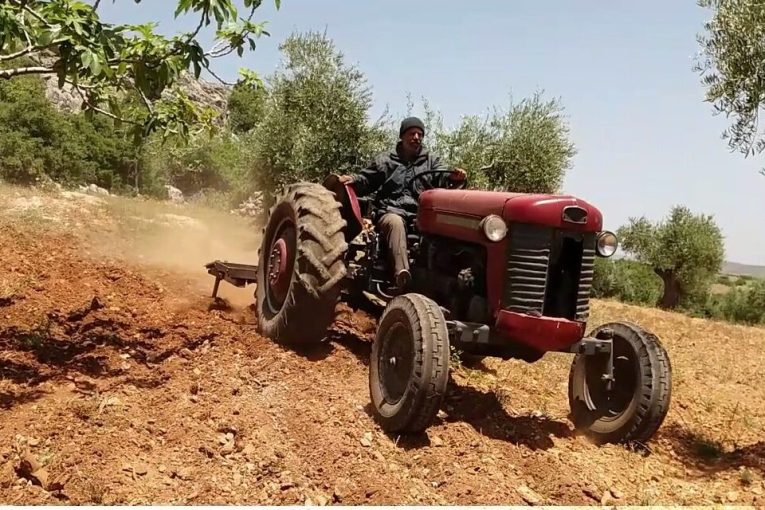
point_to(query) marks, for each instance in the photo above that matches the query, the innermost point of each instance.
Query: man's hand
(458, 174)
(345, 179)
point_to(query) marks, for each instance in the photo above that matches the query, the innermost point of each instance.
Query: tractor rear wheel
(301, 265)
(409, 366)
(637, 403)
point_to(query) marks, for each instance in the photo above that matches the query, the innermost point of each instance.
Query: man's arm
(368, 180)
(455, 180)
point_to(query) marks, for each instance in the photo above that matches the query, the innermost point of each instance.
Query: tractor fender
(350, 208)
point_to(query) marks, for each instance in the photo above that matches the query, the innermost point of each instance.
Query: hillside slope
(743, 269)
(121, 382)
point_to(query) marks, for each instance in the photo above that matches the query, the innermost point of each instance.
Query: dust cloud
(180, 240)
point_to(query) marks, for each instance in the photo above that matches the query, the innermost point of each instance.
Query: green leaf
(95, 67)
(45, 38)
(86, 58)
(183, 6)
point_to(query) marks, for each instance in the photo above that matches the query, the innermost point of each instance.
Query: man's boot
(403, 279)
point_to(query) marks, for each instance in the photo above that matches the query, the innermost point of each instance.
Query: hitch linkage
(600, 344)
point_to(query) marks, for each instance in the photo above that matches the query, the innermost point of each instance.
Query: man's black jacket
(388, 174)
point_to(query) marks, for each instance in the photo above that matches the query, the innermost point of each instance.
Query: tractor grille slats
(526, 270)
(535, 253)
(585, 280)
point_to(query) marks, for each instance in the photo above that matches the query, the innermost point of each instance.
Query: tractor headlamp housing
(494, 228)
(606, 243)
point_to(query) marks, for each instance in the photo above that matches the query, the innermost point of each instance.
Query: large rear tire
(638, 403)
(301, 265)
(409, 366)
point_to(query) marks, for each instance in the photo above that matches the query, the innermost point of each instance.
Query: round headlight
(494, 228)
(606, 244)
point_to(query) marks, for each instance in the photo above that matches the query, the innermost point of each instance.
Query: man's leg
(393, 230)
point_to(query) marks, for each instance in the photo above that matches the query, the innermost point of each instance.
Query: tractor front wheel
(409, 366)
(634, 405)
(301, 265)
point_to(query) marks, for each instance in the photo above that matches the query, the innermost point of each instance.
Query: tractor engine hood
(441, 208)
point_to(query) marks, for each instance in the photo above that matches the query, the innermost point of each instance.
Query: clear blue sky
(623, 71)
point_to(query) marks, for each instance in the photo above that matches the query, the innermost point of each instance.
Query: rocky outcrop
(201, 92)
(206, 93)
(174, 194)
(252, 207)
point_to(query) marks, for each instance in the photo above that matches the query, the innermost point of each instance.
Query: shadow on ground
(484, 412)
(81, 342)
(709, 456)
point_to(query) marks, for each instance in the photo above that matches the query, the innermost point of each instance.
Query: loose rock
(27, 466)
(40, 477)
(528, 495)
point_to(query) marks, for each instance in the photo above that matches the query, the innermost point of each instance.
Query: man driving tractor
(388, 174)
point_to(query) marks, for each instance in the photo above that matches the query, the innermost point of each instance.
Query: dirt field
(121, 382)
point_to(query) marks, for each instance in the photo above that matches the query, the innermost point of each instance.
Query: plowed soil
(123, 382)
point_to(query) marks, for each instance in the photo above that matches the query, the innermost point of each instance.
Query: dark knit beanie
(411, 122)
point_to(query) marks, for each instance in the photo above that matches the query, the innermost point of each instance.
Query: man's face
(412, 139)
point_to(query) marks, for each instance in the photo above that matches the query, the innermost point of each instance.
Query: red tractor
(493, 274)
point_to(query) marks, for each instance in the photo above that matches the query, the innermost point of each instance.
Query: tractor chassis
(470, 335)
(462, 334)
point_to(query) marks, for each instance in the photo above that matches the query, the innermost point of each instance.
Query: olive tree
(731, 65)
(685, 250)
(315, 116)
(525, 148)
(102, 62)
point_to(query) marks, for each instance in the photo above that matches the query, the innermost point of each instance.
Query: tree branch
(220, 53)
(20, 53)
(196, 31)
(144, 99)
(95, 5)
(217, 47)
(217, 77)
(37, 16)
(101, 111)
(19, 71)
(28, 50)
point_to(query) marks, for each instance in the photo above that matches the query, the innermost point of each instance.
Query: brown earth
(122, 382)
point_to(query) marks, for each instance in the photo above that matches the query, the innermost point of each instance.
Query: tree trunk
(672, 291)
(137, 167)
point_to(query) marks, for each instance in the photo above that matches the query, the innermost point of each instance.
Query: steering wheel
(429, 172)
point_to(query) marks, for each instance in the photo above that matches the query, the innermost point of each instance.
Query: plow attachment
(238, 275)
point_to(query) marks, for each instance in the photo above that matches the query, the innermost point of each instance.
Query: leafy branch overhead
(107, 63)
(732, 68)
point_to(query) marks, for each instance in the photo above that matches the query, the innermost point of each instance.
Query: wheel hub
(396, 362)
(278, 269)
(612, 394)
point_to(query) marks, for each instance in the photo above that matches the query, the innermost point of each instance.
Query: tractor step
(238, 275)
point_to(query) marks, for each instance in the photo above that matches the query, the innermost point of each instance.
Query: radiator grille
(585, 279)
(549, 272)
(526, 268)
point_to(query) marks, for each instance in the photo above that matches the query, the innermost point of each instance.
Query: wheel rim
(278, 270)
(395, 362)
(612, 403)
